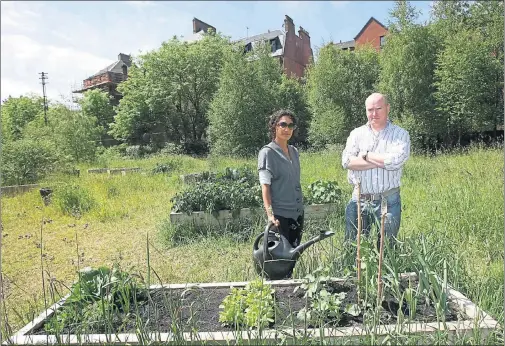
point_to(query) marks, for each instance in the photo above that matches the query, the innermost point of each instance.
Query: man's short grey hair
(384, 97)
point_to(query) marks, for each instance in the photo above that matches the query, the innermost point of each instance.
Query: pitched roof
(115, 67)
(262, 37)
(346, 44)
(367, 24)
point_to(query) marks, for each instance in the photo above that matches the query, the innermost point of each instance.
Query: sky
(72, 40)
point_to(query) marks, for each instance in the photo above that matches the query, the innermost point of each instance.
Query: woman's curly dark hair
(274, 120)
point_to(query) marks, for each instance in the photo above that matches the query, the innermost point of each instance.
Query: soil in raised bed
(198, 309)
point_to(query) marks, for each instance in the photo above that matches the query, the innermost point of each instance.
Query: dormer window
(275, 44)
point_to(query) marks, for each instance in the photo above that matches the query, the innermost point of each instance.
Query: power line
(43, 77)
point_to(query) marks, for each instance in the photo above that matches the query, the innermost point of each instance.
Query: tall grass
(452, 209)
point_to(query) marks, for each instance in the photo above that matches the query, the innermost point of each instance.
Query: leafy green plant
(252, 306)
(74, 200)
(96, 297)
(165, 167)
(322, 192)
(323, 303)
(26, 161)
(232, 189)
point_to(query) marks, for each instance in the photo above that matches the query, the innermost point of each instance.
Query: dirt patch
(198, 309)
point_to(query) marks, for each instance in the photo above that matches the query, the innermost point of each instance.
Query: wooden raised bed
(316, 211)
(122, 171)
(17, 189)
(470, 319)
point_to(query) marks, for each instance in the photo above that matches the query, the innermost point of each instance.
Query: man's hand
(377, 159)
(357, 163)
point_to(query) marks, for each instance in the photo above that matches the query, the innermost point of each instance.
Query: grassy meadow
(454, 202)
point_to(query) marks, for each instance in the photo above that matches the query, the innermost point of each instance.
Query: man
(374, 156)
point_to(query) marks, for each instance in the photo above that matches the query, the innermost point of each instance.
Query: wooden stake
(381, 251)
(358, 258)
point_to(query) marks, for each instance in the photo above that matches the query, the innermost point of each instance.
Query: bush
(172, 149)
(322, 192)
(165, 167)
(232, 189)
(212, 197)
(74, 200)
(26, 161)
(138, 151)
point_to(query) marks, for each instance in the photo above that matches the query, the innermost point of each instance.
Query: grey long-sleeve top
(283, 176)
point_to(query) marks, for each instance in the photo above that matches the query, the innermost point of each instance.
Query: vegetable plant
(252, 306)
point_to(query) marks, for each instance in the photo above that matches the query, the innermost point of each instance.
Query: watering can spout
(302, 247)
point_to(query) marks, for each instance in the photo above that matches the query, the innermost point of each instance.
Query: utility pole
(43, 77)
(247, 30)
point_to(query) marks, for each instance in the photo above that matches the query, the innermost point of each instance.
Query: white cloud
(23, 59)
(18, 15)
(70, 48)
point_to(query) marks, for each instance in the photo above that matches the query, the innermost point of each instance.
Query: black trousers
(291, 229)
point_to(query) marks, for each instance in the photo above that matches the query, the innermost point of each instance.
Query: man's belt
(376, 197)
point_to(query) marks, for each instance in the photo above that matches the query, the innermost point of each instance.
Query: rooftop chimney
(289, 26)
(198, 26)
(303, 33)
(125, 58)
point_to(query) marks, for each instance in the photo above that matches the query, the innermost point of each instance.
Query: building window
(382, 41)
(275, 44)
(248, 48)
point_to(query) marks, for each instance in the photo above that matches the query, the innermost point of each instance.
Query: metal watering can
(276, 258)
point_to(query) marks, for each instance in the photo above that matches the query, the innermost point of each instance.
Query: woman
(279, 175)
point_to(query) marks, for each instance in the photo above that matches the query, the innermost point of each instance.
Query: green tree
(17, 112)
(96, 103)
(469, 69)
(170, 92)
(25, 161)
(293, 96)
(73, 135)
(247, 96)
(467, 85)
(77, 135)
(407, 65)
(338, 85)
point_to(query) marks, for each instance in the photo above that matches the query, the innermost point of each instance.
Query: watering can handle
(265, 235)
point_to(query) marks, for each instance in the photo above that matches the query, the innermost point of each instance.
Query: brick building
(373, 32)
(293, 51)
(108, 78)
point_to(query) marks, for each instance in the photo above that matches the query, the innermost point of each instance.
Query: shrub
(172, 149)
(74, 200)
(321, 192)
(232, 189)
(138, 151)
(212, 197)
(26, 161)
(166, 167)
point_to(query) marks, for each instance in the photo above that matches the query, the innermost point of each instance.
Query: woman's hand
(273, 220)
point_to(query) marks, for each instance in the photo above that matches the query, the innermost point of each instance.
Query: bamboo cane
(381, 252)
(358, 258)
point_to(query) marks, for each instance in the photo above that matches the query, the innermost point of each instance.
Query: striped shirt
(392, 141)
